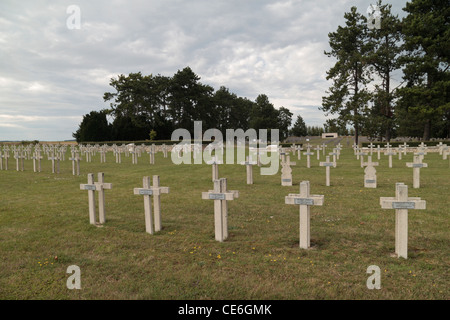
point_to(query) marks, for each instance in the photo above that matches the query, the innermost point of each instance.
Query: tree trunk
(427, 130)
(387, 134)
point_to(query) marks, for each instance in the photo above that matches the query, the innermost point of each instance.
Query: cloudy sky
(52, 74)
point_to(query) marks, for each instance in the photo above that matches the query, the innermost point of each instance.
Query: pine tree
(348, 97)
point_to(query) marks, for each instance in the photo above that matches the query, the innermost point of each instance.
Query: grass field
(44, 228)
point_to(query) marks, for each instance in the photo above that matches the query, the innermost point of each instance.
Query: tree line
(363, 93)
(363, 98)
(145, 104)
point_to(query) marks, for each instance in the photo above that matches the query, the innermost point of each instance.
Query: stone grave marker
(334, 154)
(421, 152)
(55, 166)
(390, 153)
(299, 152)
(405, 147)
(220, 195)
(371, 145)
(90, 186)
(99, 186)
(152, 153)
(164, 150)
(305, 201)
(318, 152)
(327, 164)
(156, 190)
(286, 171)
(6, 157)
(308, 154)
(249, 168)
(416, 165)
(401, 203)
(215, 167)
(75, 163)
(370, 173)
(19, 156)
(37, 157)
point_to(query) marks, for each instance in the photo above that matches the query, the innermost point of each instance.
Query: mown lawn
(44, 228)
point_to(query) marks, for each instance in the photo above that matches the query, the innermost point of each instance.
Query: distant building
(329, 135)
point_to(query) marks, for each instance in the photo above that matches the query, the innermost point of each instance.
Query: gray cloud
(51, 76)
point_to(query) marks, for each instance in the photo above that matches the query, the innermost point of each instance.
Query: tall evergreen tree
(348, 97)
(426, 63)
(299, 127)
(384, 57)
(94, 127)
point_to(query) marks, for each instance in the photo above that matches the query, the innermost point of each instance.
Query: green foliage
(153, 134)
(143, 103)
(348, 96)
(426, 63)
(299, 128)
(93, 127)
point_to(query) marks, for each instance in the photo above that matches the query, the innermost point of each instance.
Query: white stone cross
(90, 186)
(308, 154)
(156, 190)
(327, 164)
(37, 156)
(102, 152)
(75, 167)
(371, 145)
(6, 157)
(416, 165)
(370, 173)
(324, 146)
(164, 150)
(421, 152)
(220, 195)
(19, 156)
(53, 158)
(304, 200)
(286, 171)
(215, 167)
(318, 152)
(152, 153)
(99, 186)
(401, 203)
(390, 153)
(249, 166)
(299, 153)
(405, 147)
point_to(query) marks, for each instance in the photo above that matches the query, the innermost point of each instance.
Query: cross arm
(316, 200)
(410, 203)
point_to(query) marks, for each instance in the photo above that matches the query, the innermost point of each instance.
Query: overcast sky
(51, 75)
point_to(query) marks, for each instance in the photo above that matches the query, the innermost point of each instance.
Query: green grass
(45, 215)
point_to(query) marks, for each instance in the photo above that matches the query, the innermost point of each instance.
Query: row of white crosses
(417, 164)
(401, 203)
(220, 194)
